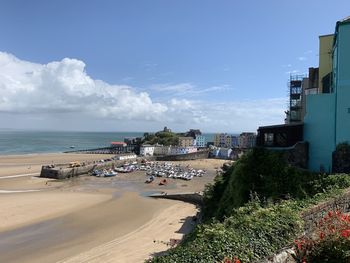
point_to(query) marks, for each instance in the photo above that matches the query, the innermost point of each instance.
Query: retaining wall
(184, 157)
(296, 155)
(315, 214)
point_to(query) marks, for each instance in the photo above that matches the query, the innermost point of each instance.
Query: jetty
(195, 198)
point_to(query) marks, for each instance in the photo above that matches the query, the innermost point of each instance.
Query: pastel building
(186, 141)
(247, 140)
(220, 139)
(234, 141)
(161, 150)
(327, 119)
(200, 141)
(225, 140)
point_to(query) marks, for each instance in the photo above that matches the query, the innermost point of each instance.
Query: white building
(147, 150)
(225, 153)
(222, 153)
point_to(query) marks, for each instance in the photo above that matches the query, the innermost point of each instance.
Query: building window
(268, 137)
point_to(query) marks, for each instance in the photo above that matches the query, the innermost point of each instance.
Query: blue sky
(214, 65)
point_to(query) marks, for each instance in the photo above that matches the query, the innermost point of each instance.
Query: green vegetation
(161, 137)
(250, 232)
(250, 228)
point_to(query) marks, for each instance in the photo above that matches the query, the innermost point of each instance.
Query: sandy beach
(89, 219)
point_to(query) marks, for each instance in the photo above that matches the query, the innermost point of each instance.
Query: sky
(110, 65)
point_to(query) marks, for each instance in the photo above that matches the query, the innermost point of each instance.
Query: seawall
(63, 171)
(184, 157)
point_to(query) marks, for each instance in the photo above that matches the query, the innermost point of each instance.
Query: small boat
(163, 182)
(149, 180)
(97, 173)
(110, 173)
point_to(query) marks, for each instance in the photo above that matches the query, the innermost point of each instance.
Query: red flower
(345, 233)
(322, 235)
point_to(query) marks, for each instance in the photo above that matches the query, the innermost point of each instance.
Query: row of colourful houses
(198, 140)
(244, 140)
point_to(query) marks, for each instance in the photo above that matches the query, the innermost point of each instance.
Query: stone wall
(193, 198)
(312, 216)
(62, 171)
(184, 157)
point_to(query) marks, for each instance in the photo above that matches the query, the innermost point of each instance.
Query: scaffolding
(296, 98)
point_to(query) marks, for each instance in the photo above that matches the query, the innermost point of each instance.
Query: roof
(345, 20)
(340, 22)
(282, 125)
(118, 143)
(328, 35)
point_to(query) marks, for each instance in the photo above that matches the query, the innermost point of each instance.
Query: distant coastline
(17, 142)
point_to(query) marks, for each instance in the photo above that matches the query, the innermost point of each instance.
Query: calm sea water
(26, 142)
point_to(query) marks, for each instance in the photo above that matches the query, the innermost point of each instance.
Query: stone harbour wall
(184, 157)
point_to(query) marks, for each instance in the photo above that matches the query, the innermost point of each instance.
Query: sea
(31, 142)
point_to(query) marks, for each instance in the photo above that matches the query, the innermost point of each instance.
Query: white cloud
(44, 92)
(64, 86)
(302, 58)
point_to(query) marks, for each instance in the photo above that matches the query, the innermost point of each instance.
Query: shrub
(252, 232)
(261, 171)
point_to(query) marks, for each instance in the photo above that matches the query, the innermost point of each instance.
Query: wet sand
(90, 219)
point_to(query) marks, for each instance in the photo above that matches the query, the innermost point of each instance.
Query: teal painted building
(327, 119)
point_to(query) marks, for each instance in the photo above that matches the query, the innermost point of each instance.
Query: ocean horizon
(30, 142)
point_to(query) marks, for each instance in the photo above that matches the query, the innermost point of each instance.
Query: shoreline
(95, 213)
